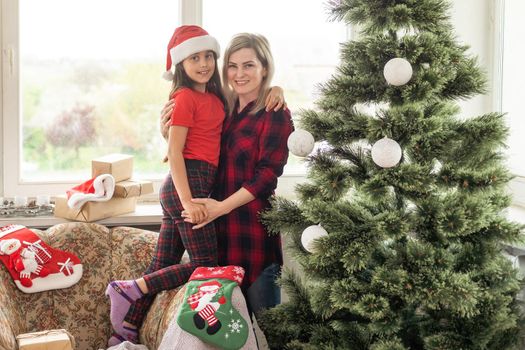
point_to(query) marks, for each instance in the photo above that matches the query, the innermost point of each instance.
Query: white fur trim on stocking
(53, 281)
(10, 229)
(104, 186)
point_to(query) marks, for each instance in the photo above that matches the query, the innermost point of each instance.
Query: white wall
(473, 21)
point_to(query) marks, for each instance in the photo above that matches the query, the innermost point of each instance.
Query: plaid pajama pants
(165, 271)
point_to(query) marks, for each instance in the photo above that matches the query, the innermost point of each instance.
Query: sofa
(83, 309)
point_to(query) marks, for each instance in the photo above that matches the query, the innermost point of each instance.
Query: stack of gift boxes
(124, 198)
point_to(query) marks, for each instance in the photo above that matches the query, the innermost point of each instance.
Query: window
(88, 75)
(305, 45)
(512, 75)
(82, 78)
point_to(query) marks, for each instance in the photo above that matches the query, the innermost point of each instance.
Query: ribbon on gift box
(67, 265)
(41, 253)
(51, 332)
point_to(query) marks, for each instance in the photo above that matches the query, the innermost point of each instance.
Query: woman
(253, 155)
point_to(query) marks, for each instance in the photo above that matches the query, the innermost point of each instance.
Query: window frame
(190, 12)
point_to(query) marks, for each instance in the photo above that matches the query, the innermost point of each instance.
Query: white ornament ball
(397, 71)
(386, 153)
(301, 143)
(310, 234)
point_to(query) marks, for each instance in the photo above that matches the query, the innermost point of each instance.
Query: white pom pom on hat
(168, 75)
(187, 40)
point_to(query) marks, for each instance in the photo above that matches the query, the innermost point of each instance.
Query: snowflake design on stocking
(238, 278)
(235, 326)
(238, 270)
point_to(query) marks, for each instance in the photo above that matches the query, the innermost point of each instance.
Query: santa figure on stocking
(22, 260)
(205, 307)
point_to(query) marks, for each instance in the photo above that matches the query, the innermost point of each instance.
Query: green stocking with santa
(207, 310)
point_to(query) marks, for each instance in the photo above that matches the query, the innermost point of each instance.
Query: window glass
(91, 84)
(304, 43)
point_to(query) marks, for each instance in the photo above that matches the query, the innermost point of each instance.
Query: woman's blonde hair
(261, 47)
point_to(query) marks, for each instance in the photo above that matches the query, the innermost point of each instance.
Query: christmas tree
(400, 226)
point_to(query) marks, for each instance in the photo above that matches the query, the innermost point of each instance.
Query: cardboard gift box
(120, 166)
(93, 211)
(132, 188)
(55, 339)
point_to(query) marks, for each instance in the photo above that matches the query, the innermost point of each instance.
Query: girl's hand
(213, 207)
(275, 99)
(197, 213)
(165, 118)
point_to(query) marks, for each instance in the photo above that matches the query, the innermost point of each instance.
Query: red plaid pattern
(165, 271)
(253, 155)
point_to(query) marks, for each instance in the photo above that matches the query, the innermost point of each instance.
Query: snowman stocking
(33, 264)
(208, 312)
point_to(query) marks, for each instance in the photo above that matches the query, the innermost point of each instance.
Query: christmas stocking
(33, 264)
(208, 312)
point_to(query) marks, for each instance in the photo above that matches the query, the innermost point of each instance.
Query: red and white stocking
(33, 264)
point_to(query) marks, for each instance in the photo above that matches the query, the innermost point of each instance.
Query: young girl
(193, 155)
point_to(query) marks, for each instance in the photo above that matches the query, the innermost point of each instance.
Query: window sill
(144, 215)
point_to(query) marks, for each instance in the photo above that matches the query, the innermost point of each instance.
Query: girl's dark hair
(181, 80)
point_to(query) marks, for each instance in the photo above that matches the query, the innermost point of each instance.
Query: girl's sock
(121, 295)
(129, 334)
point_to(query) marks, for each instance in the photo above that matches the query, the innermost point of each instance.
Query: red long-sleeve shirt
(253, 155)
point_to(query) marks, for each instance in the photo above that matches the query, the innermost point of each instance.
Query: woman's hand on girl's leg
(214, 210)
(197, 213)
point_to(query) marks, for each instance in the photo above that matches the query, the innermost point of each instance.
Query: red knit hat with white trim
(187, 40)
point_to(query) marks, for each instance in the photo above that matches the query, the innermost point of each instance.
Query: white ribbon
(67, 265)
(35, 247)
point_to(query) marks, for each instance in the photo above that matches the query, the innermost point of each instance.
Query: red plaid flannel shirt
(253, 154)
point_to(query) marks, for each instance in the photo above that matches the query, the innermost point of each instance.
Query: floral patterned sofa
(83, 309)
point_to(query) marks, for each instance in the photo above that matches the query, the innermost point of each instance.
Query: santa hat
(187, 40)
(214, 284)
(98, 189)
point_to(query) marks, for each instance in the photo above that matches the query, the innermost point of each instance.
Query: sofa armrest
(159, 316)
(7, 335)
(14, 306)
(132, 252)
